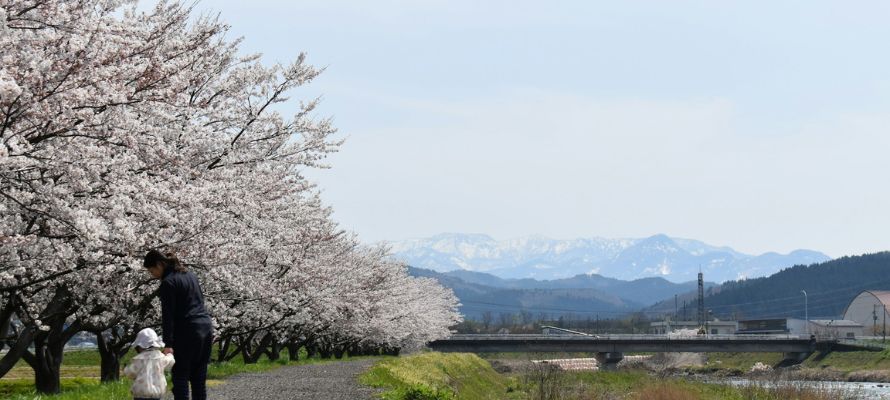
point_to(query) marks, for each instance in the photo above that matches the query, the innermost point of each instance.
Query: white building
(772, 326)
(715, 327)
(869, 309)
(836, 328)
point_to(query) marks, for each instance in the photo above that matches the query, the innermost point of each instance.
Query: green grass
(853, 366)
(851, 361)
(72, 389)
(842, 361)
(634, 384)
(80, 381)
(434, 375)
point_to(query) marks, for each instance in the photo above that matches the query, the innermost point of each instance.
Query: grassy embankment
(439, 376)
(857, 366)
(436, 376)
(80, 377)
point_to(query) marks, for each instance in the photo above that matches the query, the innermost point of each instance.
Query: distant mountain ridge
(675, 259)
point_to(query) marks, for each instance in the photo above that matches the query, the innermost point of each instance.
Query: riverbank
(856, 366)
(439, 376)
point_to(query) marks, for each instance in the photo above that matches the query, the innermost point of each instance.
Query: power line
(820, 294)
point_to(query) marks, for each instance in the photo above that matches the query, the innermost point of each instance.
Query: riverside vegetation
(432, 375)
(436, 376)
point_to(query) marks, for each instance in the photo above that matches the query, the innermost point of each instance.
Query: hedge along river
(849, 390)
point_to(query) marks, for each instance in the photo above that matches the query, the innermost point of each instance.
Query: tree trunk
(293, 351)
(6, 313)
(49, 345)
(366, 350)
(110, 369)
(274, 352)
(252, 356)
(245, 348)
(324, 351)
(110, 353)
(48, 381)
(224, 344)
(391, 351)
(47, 362)
(311, 350)
(17, 350)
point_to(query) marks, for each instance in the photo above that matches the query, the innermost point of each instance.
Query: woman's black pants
(192, 353)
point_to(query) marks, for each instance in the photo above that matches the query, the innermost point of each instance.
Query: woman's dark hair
(168, 261)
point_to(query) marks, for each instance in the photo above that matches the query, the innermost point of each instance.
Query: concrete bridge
(610, 349)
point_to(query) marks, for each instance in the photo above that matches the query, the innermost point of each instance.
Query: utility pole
(874, 316)
(884, 337)
(701, 300)
(676, 309)
(806, 310)
(708, 322)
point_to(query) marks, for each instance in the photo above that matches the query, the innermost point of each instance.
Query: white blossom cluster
(123, 131)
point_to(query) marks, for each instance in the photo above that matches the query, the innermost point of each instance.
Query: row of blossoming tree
(125, 130)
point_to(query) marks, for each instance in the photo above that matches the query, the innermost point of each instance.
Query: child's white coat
(147, 372)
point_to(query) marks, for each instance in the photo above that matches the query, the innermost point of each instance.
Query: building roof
(766, 319)
(883, 297)
(835, 322)
(692, 323)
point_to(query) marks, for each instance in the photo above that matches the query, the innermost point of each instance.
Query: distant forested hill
(645, 291)
(830, 287)
(576, 303)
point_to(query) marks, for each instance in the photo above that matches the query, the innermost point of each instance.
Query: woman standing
(187, 329)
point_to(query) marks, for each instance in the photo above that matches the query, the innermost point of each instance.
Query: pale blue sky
(761, 125)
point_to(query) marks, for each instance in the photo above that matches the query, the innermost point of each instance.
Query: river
(850, 390)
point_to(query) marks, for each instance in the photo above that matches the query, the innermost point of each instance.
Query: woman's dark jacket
(182, 302)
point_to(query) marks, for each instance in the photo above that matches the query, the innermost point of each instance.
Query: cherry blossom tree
(124, 131)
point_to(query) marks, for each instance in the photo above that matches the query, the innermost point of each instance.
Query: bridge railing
(629, 337)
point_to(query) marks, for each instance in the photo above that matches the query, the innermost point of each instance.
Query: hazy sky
(761, 125)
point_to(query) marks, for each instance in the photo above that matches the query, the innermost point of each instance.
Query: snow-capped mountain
(538, 257)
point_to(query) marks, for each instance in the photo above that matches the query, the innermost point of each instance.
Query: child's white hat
(148, 338)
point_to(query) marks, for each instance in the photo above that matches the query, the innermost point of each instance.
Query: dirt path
(328, 381)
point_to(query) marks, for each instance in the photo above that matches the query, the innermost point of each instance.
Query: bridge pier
(609, 360)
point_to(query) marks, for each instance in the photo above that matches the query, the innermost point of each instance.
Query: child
(147, 368)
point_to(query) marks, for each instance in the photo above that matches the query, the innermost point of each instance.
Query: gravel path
(328, 381)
